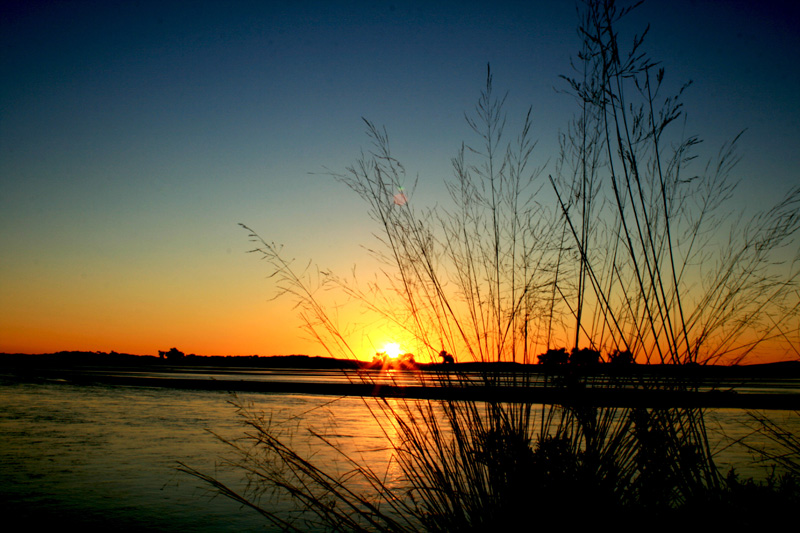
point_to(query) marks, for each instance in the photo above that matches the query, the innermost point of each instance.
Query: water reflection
(106, 455)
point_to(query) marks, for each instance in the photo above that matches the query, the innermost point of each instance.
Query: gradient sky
(135, 136)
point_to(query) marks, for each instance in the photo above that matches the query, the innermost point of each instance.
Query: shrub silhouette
(173, 354)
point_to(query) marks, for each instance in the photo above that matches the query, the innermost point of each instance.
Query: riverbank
(67, 359)
(764, 387)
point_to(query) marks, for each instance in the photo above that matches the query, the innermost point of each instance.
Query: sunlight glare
(392, 350)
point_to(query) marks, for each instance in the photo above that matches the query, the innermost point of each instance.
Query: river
(105, 456)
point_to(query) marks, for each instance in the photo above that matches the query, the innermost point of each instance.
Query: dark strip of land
(784, 369)
(568, 396)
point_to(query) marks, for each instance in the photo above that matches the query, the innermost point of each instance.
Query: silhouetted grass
(630, 263)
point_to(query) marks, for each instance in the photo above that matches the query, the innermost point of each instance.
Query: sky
(136, 136)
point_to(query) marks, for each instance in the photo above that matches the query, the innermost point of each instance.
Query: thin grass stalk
(472, 282)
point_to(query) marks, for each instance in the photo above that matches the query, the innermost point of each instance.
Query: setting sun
(392, 350)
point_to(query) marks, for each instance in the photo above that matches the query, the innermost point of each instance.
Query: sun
(392, 350)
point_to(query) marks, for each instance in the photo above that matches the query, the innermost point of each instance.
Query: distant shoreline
(68, 359)
(80, 368)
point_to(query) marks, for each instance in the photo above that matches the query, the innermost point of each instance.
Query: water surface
(105, 456)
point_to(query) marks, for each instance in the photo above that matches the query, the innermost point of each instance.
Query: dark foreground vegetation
(625, 246)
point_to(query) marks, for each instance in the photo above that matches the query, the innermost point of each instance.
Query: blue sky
(134, 138)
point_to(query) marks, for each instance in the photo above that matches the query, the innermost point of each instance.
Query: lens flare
(400, 198)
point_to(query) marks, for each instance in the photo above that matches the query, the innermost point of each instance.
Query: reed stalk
(629, 262)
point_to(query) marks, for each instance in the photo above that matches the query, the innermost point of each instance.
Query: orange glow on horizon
(143, 326)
